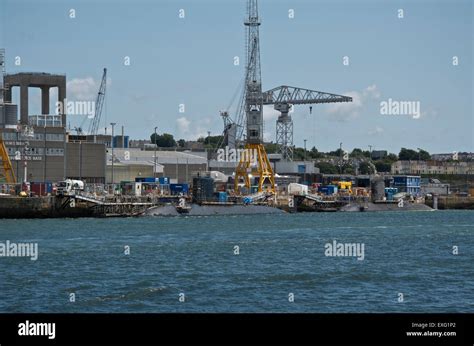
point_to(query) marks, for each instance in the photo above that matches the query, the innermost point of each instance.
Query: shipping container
(328, 190)
(222, 197)
(203, 189)
(145, 179)
(164, 180)
(176, 189)
(41, 189)
(297, 189)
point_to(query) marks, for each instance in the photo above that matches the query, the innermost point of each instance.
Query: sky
(189, 61)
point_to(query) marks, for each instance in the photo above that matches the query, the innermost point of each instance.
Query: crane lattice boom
(99, 103)
(294, 95)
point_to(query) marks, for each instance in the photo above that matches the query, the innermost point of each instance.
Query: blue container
(118, 140)
(389, 192)
(222, 196)
(176, 189)
(331, 189)
(328, 190)
(164, 180)
(145, 180)
(253, 189)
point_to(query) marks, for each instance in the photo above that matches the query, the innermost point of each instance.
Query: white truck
(69, 187)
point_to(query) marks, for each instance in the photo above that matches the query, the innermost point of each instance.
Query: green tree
(337, 153)
(181, 143)
(383, 166)
(424, 155)
(210, 141)
(315, 154)
(271, 148)
(327, 168)
(391, 157)
(409, 154)
(298, 154)
(365, 168)
(356, 152)
(348, 169)
(165, 140)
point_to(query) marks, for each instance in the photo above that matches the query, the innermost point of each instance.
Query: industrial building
(434, 187)
(432, 167)
(38, 145)
(179, 166)
(408, 183)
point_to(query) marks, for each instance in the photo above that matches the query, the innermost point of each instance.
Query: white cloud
(84, 89)
(268, 137)
(345, 111)
(192, 130)
(270, 114)
(371, 92)
(430, 113)
(183, 124)
(376, 131)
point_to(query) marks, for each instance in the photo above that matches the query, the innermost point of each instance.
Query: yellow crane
(6, 170)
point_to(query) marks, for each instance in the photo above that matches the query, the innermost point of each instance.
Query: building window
(9, 136)
(38, 137)
(45, 120)
(54, 151)
(35, 151)
(57, 137)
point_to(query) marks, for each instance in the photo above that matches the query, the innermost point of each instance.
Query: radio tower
(255, 162)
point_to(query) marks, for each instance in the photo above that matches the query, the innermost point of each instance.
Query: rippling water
(405, 252)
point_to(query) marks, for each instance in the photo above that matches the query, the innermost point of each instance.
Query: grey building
(38, 145)
(177, 165)
(378, 154)
(44, 81)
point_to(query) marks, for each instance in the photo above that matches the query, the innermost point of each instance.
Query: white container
(297, 189)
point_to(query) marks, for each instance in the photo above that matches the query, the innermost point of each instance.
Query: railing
(45, 120)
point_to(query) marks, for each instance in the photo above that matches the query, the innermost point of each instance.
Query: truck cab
(69, 187)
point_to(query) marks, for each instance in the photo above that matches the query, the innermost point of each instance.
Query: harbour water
(408, 253)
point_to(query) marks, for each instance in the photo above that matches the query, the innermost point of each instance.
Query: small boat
(183, 209)
(399, 195)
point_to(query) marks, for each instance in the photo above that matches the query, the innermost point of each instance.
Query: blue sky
(190, 61)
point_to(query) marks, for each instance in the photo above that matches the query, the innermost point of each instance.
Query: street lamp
(154, 173)
(305, 148)
(340, 158)
(113, 125)
(304, 160)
